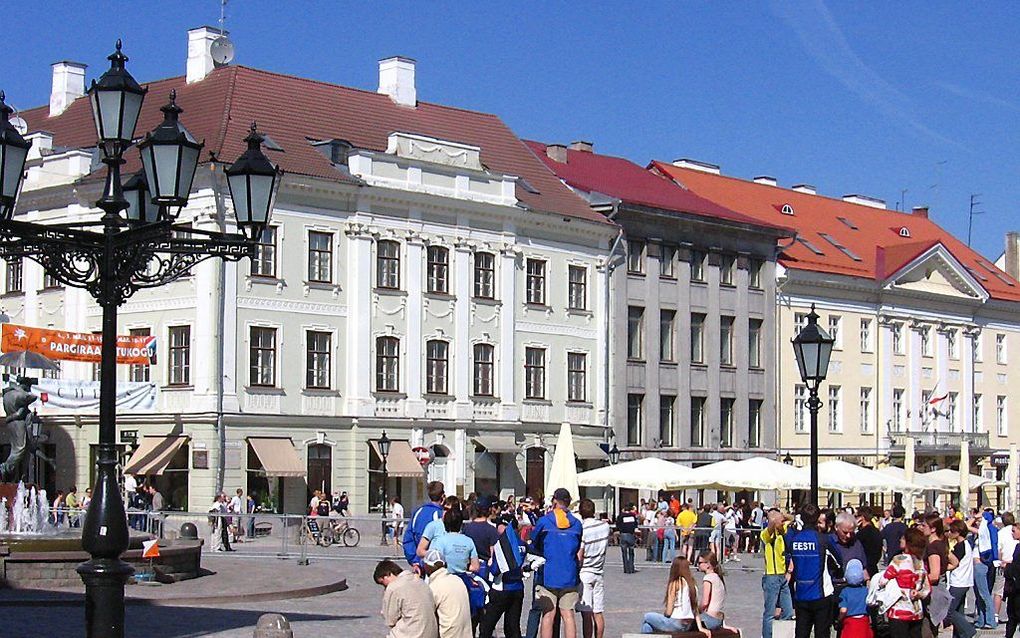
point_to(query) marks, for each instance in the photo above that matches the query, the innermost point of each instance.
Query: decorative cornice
(149, 305)
(288, 305)
(556, 329)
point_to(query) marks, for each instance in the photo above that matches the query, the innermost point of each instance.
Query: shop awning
(278, 456)
(498, 444)
(401, 463)
(154, 455)
(588, 450)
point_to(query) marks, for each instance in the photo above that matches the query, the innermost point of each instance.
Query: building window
(754, 423)
(179, 355)
(866, 345)
(387, 364)
(666, 404)
(754, 270)
(666, 334)
(835, 331)
(865, 415)
(667, 261)
(835, 410)
(951, 413)
(318, 349)
(438, 269)
(13, 276)
(697, 338)
(697, 265)
(726, 340)
(727, 270)
(1001, 427)
(484, 355)
(437, 365)
(577, 366)
(388, 265)
(978, 426)
(976, 347)
(264, 262)
(535, 282)
(926, 341)
(534, 373)
(50, 282)
(952, 344)
(726, 423)
(800, 408)
(635, 404)
(799, 321)
(262, 357)
(485, 275)
(697, 421)
(139, 372)
(578, 291)
(754, 343)
(897, 338)
(635, 256)
(635, 328)
(1000, 348)
(897, 410)
(320, 257)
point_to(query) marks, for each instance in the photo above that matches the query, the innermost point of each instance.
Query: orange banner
(61, 345)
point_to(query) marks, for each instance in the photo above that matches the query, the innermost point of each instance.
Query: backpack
(478, 591)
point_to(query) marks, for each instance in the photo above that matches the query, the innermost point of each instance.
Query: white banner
(75, 394)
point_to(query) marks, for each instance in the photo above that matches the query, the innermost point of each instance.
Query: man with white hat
(453, 607)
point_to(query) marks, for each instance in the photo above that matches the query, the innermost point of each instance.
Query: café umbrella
(27, 359)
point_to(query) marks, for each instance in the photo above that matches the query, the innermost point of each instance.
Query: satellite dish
(222, 51)
(19, 124)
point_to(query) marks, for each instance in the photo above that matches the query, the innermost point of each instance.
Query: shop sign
(61, 345)
(1000, 460)
(423, 454)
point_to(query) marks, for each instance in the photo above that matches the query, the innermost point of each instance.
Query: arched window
(483, 369)
(387, 364)
(437, 365)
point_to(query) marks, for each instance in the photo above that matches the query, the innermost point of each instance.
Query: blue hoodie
(988, 556)
(425, 514)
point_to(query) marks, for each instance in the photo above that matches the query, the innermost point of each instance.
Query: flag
(934, 400)
(151, 549)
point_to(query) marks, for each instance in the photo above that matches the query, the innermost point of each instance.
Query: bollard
(273, 626)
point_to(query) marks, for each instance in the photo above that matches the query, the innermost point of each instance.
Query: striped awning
(278, 457)
(154, 455)
(401, 462)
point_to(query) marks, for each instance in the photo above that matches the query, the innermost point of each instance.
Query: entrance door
(320, 469)
(535, 470)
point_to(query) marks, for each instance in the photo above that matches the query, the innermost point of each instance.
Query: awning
(588, 450)
(154, 455)
(498, 444)
(278, 456)
(401, 463)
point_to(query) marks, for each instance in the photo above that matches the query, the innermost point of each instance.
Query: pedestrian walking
(594, 542)
(408, 606)
(1012, 587)
(775, 583)
(397, 514)
(808, 558)
(557, 539)
(626, 525)
(250, 509)
(422, 516)
(1004, 557)
(961, 579)
(984, 568)
(892, 533)
(679, 603)
(506, 592)
(870, 538)
(906, 615)
(668, 539)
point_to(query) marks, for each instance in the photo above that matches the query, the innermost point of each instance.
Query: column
(507, 334)
(914, 402)
(415, 308)
(206, 330)
(940, 423)
(600, 366)
(462, 367)
(360, 364)
(884, 374)
(968, 355)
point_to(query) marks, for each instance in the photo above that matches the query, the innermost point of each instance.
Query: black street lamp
(614, 454)
(133, 246)
(813, 347)
(384, 450)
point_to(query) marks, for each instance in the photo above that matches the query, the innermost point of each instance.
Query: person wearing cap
(453, 608)
(853, 603)
(408, 606)
(557, 538)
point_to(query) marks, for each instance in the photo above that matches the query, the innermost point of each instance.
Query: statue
(23, 427)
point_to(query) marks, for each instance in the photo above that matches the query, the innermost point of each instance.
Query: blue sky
(853, 97)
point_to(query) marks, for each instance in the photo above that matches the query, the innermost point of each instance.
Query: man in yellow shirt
(775, 584)
(686, 520)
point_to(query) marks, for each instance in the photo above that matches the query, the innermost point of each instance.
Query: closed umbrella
(908, 460)
(964, 474)
(28, 359)
(1011, 477)
(564, 467)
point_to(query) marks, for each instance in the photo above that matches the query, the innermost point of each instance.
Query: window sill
(12, 294)
(699, 364)
(633, 360)
(725, 285)
(727, 366)
(320, 392)
(579, 404)
(486, 301)
(50, 289)
(581, 312)
(389, 394)
(755, 288)
(756, 369)
(536, 401)
(436, 396)
(264, 389)
(699, 282)
(634, 273)
(484, 398)
(320, 285)
(668, 277)
(669, 364)
(177, 388)
(390, 292)
(532, 305)
(443, 296)
(267, 279)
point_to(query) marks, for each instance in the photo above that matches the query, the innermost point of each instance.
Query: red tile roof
(625, 180)
(292, 111)
(870, 234)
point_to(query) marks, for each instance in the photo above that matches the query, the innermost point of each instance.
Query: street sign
(423, 454)
(129, 436)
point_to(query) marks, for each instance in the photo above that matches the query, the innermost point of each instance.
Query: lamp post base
(104, 596)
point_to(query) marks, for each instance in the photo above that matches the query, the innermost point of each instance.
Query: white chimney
(805, 188)
(697, 165)
(557, 153)
(767, 180)
(200, 60)
(396, 79)
(68, 85)
(865, 200)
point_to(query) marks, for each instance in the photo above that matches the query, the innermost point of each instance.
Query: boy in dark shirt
(893, 533)
(870, 538)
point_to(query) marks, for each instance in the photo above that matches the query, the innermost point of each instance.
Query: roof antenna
(974, 203)
(222, 49)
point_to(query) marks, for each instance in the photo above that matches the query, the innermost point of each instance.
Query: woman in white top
(961, 577)
(680, 602)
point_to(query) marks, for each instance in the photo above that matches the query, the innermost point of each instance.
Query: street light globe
(813, 347)
(170, 157)
(253, 183)
(116, 102)
(140, 207)
(384, 445)
(13, 151)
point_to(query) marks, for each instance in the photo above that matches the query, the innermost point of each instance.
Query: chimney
(865, 200)
(557, 153)
(200, 60)
(584, 147)
(805, 188)
(920, 211)
(396, 79)
(68, 85)
(1012, 254)
(765, 179)
(697, 165)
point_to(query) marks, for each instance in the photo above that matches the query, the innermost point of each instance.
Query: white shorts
(593, 593)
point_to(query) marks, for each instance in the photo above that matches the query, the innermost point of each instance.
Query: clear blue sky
(853, 97)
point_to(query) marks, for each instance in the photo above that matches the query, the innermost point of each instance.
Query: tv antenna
(222, 49)
(974, 203)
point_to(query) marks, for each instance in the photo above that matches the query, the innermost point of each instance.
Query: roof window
(904, 232)
(810, 246)
(849, 224)
(786, 209)
(835, 242)
(976, 274)
(998, 273)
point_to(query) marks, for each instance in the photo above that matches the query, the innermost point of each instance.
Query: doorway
(535, 473)
(320, 469)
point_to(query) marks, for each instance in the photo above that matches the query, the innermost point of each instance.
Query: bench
(716, 633)
(263, 529)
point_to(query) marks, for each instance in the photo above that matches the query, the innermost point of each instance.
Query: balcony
(939, 443)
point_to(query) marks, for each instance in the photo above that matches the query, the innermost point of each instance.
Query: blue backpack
(478, 591)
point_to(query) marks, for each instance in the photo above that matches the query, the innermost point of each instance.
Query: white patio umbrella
(921, 481)
(563, 472)
(840, 476)
(649, 473)
(718, 475)
(950, 481)
(763, 473)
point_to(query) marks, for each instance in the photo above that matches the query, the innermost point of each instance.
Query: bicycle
(340, 531)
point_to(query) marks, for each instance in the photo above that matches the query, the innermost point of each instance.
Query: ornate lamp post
(813, 347)
(133, 246)
(384, 450)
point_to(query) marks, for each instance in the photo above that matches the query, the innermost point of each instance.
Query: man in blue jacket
(422, 516)
(557, 538)
(807, 556)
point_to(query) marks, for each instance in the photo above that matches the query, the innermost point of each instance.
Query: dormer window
(787, 209)
(904, 232)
